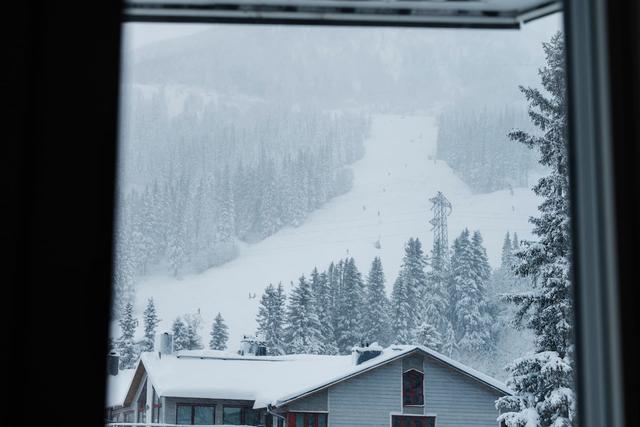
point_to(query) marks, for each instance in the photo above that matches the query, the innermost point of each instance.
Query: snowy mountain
(388, 203)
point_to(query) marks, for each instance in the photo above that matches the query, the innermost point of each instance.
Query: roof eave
(287, 401)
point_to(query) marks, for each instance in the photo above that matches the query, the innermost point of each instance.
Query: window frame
(242, 412)
(396, 414)
(305, 414)
(595, 239)
(193, 411)
(422, 389)
(45, 66)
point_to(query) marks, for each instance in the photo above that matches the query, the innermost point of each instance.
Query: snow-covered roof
(117, 387)
(275, 380)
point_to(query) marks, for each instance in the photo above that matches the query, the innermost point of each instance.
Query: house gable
(136, 381)
(410, 359)
(457, 399)
(369, 398)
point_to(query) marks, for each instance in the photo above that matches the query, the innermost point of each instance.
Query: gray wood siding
(456, 399)
(315, 402)
(367, 399)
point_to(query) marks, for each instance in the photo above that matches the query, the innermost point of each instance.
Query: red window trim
(421, 390)
(291, 418)
(407, 417)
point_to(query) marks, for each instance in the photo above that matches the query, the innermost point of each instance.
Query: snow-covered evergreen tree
(219, 334)
(375, 326)
(124, 269)
(543, 381)
(334, 280)
(322, 295)
(271, 319)
(180, 335)
(193, 324)
(450, 343)
(468, 304)
(409, 293)
(303, 327)
(429, 336)
(349, 317)
(150, 320)
(506, 259)
(436, 301)
(126, 344)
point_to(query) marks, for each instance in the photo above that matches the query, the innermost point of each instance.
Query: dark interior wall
(57, 174)
(624, 54)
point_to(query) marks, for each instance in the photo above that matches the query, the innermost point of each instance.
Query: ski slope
(389, 203)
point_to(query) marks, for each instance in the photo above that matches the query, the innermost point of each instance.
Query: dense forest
(475, 144)
(455, 305)
(210, 179)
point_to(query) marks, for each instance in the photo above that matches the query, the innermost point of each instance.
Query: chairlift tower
(441, 208)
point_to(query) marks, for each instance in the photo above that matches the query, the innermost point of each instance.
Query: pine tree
(151, 321)
(177, 255)
(429, 336)
(507, 252)
(349, 316)
(376, 308)
(436, 303)
(543, 382)
(409, 292)
(126, 344)
(271, 319)
(193, 324)
(322, 296)
(123, 271)
(180, 335)
(226, 210)
(334, 280)
(303, 326)
(219, 334)
(450, 343)
(469, 276)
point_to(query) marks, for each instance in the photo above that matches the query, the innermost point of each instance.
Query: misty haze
(309, 190)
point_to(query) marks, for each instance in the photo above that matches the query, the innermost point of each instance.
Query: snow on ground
(389, 202)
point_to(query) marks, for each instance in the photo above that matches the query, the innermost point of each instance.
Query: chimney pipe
(164, 344)
(360, 354)
(113, 362)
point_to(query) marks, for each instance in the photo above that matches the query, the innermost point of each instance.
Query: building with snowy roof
(398, 386)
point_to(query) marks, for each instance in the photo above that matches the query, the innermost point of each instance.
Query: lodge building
(398, 386)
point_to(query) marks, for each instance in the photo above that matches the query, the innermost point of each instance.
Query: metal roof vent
(164, 344)
(365, 352)
(113, 362)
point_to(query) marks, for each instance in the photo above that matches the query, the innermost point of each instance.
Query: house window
(413, 388)
(306, 419)
(142, 404)
(412, 421)
(237, 415)
(272, 421)
(232, 415)
(251, 417)
(195, 414)
(155, 412)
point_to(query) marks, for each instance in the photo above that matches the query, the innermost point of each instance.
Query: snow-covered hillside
(388, 202)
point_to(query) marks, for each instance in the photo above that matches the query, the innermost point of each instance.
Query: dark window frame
(243, 412)
(315, 415)
(420, 394)
(47, 66)
(193, 411)
(405, 417)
